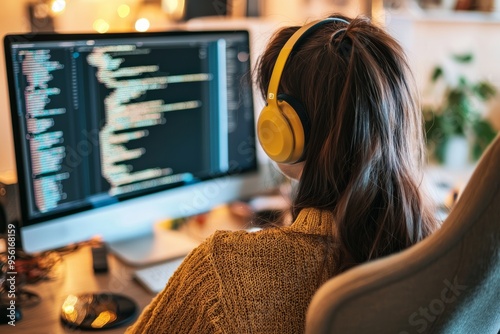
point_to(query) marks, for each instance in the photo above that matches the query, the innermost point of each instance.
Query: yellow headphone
(283, 124)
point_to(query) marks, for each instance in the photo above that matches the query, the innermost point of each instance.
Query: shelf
(438, 15)
(453, 16)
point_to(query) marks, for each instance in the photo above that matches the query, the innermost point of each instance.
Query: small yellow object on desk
(172, 223)
(177, 223)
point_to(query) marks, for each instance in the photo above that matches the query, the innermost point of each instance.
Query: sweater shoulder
(268, 276)
(266, 240)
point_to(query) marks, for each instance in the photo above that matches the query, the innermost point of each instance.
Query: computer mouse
(94, 311)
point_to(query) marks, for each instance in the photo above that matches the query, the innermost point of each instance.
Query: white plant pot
(456, 154)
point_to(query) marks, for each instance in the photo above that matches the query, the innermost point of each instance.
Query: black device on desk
(113, 132)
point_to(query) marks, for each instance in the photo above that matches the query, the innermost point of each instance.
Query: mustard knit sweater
(242, 282)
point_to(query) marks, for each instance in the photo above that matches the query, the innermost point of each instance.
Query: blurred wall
(12, 19)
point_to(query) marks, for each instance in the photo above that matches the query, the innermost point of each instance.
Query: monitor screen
(127, 126)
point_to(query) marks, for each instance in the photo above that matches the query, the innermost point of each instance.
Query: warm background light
(123, 11)
(101, 26)
(58, 6)
(142, 25)
(170, 6)
(173, 8)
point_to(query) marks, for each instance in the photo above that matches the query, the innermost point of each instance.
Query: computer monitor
(113, 132)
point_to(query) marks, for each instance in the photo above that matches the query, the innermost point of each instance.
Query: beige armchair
(448, 283)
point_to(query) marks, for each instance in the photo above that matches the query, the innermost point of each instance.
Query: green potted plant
(459, 113)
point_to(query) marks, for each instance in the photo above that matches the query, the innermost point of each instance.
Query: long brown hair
(366, 148)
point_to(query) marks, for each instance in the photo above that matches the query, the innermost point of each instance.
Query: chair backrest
(448, 283)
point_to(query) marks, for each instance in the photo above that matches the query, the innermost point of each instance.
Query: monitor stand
(160, 245)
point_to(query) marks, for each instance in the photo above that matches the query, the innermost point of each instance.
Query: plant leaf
(484, 90)
(437, 73)
(484, 133)
(463, 58)
(462, 82)
(458, 114)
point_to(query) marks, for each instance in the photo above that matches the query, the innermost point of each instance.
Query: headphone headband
(283, 125)
(297, 37)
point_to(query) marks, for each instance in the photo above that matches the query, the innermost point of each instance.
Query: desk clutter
(90, 269)
(20, 273)
(57, 287)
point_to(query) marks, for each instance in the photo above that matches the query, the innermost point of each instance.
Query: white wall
(12, 18)
(296, 12)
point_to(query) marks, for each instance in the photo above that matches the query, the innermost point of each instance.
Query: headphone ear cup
(283, 125)
(281, 132)
(300, 111)
(274, 133)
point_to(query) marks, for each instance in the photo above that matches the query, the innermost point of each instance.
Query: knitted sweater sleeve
(188, 302)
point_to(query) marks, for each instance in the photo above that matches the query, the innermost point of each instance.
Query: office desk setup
(74, 275)
(113, 133)
(109, 141)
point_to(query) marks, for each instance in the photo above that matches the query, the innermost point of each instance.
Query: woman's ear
(293, 171)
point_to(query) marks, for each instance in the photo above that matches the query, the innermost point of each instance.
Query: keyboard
(155, 278)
